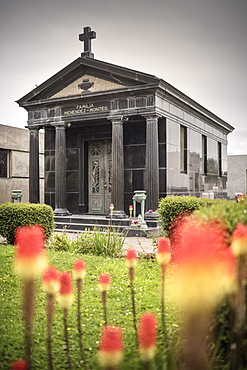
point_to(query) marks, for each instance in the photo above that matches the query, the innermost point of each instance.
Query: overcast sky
(198, 46)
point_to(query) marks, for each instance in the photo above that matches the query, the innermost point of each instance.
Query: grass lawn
(147, 295)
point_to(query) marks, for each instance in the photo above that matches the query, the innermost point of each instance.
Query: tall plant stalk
(65, 315)
(28, 309)
(131, 275)
(237, 351)
(103, 298)
(104, 286)
(50, 312)
(163, 269)
(131, 262)
(163, 258)
(79, 289)
(239, 249)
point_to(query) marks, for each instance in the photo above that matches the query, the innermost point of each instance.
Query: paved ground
(139, 244)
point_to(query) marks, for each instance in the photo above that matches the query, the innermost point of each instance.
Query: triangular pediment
(100, 75)
(87, 83)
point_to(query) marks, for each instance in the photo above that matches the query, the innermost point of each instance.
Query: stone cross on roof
(87, 36)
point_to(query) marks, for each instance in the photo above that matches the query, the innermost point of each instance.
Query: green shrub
(13, 215)
(229, 212)
(171, 207)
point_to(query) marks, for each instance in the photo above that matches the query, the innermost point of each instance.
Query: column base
(61, 212)
(117, 215)
(151, 215)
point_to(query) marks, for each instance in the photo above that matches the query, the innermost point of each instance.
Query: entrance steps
(77, 223)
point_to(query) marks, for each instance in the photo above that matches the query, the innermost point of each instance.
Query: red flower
(147, 336)
(111, 347)
(65, 297)
(199, 253)
(50, 280)
(240, 198)
(79, 269)
(111, 206)
(30, 260)
(239, 240)
(163, 251)
(104, 282)
(19, 365)
(131, 208)
(229, 276)
(131, 258)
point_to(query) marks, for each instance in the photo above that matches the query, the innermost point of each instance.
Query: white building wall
(237, 173)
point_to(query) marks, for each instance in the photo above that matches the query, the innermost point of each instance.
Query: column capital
(59, 124)
(33, 127)
(116, 119)
(151, 115)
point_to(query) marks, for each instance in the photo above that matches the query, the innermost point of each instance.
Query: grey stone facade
(14, 142)
(237, 175)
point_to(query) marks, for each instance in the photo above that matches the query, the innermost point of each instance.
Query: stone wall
(16, 142)
(237, 173)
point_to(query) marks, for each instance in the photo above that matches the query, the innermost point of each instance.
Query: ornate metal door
(100, 164)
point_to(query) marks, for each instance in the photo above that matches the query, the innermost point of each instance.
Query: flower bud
(131, 258)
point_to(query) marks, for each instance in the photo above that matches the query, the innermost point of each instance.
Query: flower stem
(65, 314)
(104, 294)
(28, 311)
(79, 287)
(131, 275)
(241, 309)
(163, 304)
(194, 349)
(50, 310)
(146, 365)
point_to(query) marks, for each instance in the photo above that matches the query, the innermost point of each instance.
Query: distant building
(110, 130)
(14, 163)
(237, 175)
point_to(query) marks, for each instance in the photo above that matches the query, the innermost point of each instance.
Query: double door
(100, 171)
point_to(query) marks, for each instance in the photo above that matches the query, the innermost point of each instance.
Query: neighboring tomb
(14, 163)
(237, 175)
(110, 131)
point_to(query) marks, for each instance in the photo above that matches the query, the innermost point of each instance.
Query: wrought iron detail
(109, 148)
(109, 165)
(96, 149)
(95, 177)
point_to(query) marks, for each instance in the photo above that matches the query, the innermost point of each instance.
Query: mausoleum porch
(77, 223)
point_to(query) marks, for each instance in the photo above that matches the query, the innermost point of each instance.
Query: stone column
(117, 193)
(34, 194)
(60, 170)
(152, 163)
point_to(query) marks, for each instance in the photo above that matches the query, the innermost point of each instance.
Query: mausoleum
(111, 130)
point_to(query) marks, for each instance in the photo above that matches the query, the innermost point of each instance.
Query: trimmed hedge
(13, 215)
(171, 207)
(229, 212)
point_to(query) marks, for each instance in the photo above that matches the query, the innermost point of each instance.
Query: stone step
(79, 223)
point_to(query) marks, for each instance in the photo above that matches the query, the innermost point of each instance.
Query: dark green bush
(171, 207)
(230, 212)
(13, 215)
